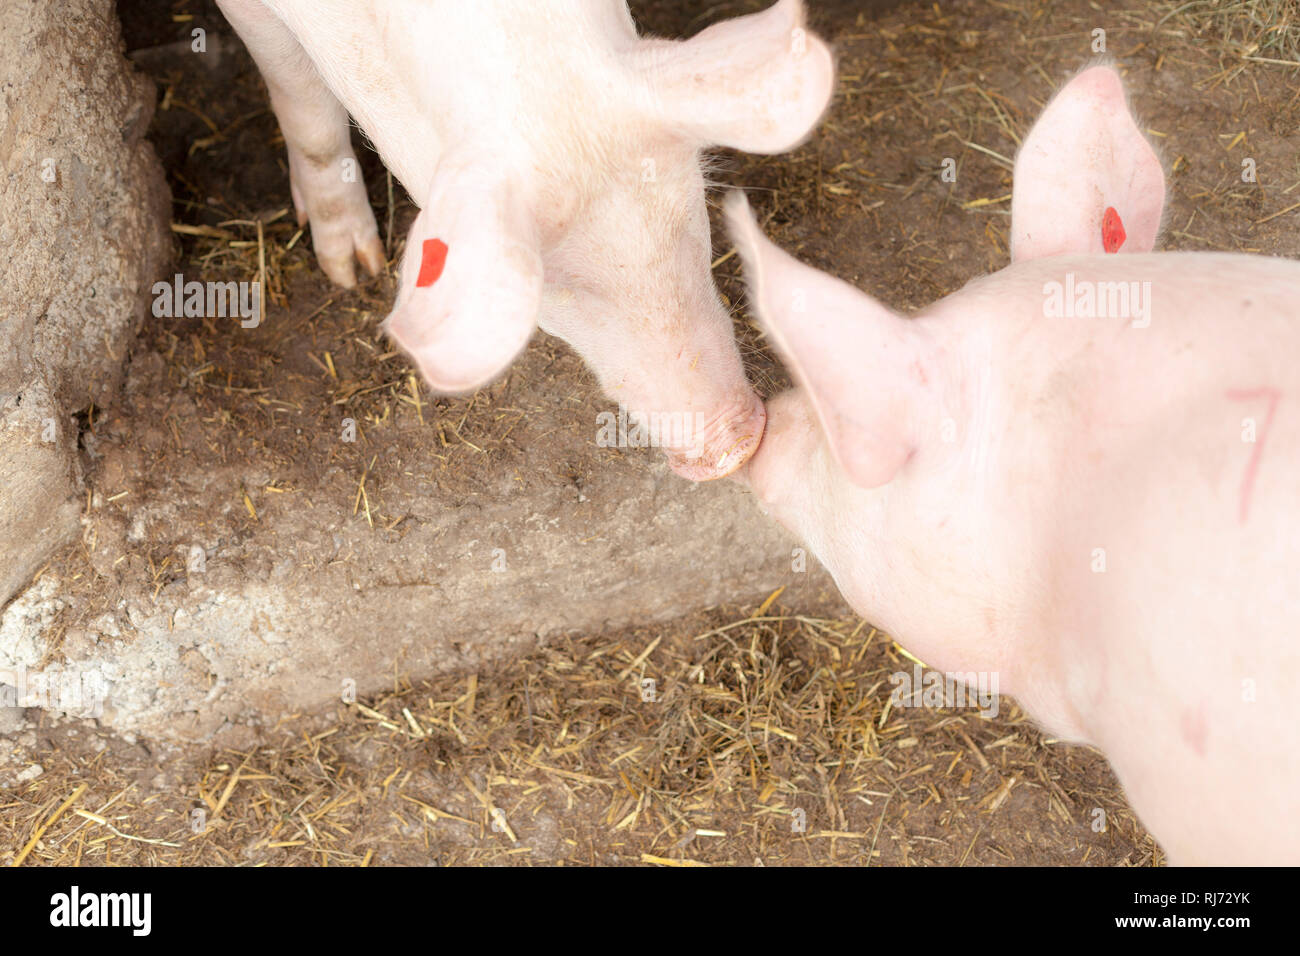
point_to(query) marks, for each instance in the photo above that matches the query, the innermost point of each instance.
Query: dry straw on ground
(767, 738)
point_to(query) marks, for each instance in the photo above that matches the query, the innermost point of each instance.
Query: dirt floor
(767, 737)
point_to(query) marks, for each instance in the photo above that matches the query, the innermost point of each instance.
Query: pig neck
(535, 137)
(945, 576)
(415, 76)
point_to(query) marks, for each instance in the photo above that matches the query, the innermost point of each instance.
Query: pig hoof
(343, 228)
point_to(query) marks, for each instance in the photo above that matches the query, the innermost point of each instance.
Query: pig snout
(721, 443)
(666, 353)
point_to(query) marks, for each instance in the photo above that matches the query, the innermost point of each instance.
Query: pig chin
(724, 443)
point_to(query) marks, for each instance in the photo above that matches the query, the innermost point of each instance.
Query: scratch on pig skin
(919, 372)
(1273, 395)
(1195, 729)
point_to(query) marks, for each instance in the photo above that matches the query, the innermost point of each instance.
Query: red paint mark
(1273, 396)
(1112, 230)
(433, 256)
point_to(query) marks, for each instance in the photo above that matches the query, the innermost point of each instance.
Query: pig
(1096, 504)
(555, 156)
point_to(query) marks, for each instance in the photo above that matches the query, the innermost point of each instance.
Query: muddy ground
(766, 736)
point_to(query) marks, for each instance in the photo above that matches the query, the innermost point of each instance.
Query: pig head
(556, 157)
(1066, 497)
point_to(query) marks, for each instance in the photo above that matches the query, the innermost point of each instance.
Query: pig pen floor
(769, 738)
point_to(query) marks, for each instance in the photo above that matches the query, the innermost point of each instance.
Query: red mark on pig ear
(1112, 230)
(433, 256)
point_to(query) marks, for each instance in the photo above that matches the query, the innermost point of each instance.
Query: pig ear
(757, 83)
(471, 280)
(1086, 180)
(859, 362)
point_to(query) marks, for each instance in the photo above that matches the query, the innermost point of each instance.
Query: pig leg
(324, 176)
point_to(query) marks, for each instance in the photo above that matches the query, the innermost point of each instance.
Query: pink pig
(555, 157)
(1081, 474)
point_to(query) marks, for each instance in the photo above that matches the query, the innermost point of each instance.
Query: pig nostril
(739, 444)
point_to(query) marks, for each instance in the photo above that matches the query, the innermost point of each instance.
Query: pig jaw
(693, 403)
(695, 406)
(709, 419)
(682, 387)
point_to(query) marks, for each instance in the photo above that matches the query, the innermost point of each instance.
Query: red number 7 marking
(1273, 396)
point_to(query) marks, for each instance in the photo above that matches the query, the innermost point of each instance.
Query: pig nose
(723, 444)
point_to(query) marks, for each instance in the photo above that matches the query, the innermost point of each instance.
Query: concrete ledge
(206, 621)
